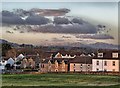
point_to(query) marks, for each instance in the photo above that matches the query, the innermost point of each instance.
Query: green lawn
(60, 79)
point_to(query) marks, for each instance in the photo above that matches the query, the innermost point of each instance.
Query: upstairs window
(100, 55)
(74, 66)
(81, 66)
(113, 63)
(115, 55)
(97, 63)
(105, 63)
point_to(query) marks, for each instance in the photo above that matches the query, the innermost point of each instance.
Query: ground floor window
(113, 63)
(56, 70)
(97, 69)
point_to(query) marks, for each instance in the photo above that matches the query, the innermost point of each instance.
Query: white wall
(101, 66)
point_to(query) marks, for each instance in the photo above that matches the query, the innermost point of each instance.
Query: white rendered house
(106, 62)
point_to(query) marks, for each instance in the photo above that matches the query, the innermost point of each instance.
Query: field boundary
(90, 73)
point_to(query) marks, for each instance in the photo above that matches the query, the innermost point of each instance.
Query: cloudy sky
(53, 23)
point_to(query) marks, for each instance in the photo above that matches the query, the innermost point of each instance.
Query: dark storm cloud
(7, 13)
(95, 36)
(45, 25)
(11, 18)
(76, 20)
(59, 20)
(73, 28)
(36, 20)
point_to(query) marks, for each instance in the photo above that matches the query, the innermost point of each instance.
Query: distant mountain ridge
(12, 44)
(104, 46)
(99, 45)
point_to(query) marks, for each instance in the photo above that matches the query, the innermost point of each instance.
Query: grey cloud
(11, 18)
(7, 13)
(76, 20)
(34, 11)
(59, 20)
(95, 36)
(73, 28)
(62, 24)
(36, 20)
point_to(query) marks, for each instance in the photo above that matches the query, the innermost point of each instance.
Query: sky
(104, 13)
(93, 10)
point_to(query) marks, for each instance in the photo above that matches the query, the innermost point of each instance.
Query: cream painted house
(56, 65)
(106, 61)
(81, 64)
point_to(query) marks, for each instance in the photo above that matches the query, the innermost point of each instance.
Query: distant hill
(99, 45)
(12, 44)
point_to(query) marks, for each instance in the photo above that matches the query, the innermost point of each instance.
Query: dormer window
(115, 55)
(100, 55)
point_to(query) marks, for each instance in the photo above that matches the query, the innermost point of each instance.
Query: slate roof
(83, 60)
(108, 55)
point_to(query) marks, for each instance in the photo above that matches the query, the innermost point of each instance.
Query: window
(74, 67)
(100, 54)
(43, 65)
(56, 70)
(81, 66)
(113, 63)
(74, 70)
(115, 55)
(97, 69)
(105, 63)
(97, 63)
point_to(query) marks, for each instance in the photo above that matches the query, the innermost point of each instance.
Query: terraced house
(67, 63)
(81, 64)
(54, 65)
(108, 61)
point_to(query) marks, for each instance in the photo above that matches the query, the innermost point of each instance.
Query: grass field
(60, 79)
